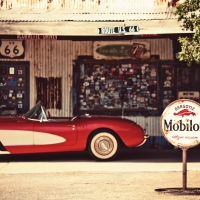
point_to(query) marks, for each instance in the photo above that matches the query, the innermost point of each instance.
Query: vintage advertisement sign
(12, 49)
(37, 37)
(117, 30)
(180, 123)
(109, 50)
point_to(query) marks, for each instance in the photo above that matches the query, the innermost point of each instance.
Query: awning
(26, 21)
(89, 28)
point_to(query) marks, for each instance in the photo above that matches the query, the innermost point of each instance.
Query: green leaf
(188, 14)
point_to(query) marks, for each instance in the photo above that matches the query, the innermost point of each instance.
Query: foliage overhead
(188, 12)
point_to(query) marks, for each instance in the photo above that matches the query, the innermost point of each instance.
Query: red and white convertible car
(35, 132)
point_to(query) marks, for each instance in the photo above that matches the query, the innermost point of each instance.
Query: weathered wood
(89, 29)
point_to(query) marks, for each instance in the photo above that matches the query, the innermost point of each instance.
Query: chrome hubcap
(104, 145)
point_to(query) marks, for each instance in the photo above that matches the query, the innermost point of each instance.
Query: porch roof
(85, 21)
(85, 15)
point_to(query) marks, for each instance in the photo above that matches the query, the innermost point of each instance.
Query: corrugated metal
(81, 4)
(54, 58)
(87, 10)
(152, 126)
(162, 47)
(60, 15)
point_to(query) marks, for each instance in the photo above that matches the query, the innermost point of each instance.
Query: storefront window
(179, 82)
(14, 85)
(167, 81)
(115, 86)
(188, 83)
(136, 88)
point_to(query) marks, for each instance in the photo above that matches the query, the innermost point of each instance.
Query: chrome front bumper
(146, 136)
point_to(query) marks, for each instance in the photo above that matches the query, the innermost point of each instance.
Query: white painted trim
(21, 137)
(46, 138)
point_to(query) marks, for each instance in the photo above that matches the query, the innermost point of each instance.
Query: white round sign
(180, 123)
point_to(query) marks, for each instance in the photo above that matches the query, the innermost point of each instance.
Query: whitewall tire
(103, 145)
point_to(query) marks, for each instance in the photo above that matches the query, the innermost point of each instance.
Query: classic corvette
(38, 132)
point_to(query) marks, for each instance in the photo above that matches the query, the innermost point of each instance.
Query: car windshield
(34, 112)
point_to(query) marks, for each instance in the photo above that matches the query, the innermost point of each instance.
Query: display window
(14, 85)
(188, 83)
(179, 81)
(113, 86)
(167, 83)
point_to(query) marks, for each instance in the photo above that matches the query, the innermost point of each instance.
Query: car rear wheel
(103, 145)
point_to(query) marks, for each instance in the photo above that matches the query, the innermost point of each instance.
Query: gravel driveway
(94, 185)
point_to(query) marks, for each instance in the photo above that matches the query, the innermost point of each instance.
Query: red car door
(55, 133)
(16, 135)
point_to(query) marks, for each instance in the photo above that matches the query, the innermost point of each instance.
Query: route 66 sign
(12, 48)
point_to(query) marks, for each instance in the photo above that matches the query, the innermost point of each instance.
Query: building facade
(96, 57)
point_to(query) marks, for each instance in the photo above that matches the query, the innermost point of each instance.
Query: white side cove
(20, 137)
(4, 152)
(41, 138)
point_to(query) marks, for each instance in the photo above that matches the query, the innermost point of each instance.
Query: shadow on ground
(125, 155)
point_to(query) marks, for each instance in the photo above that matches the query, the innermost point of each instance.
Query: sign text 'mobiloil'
(180, 126)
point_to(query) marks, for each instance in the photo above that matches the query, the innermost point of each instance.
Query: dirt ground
(97, 186)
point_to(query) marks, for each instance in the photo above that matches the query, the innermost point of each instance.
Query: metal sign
(126, 49)
(37, 37)
(180, 123)
(12, 49)
(118, 30)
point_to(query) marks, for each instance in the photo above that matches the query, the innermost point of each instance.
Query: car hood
(106, 117)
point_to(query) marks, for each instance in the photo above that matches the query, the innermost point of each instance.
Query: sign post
(180, 125)
(184, 159)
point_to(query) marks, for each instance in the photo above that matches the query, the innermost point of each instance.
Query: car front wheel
(103, 145)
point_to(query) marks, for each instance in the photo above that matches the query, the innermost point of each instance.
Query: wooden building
(44, 44)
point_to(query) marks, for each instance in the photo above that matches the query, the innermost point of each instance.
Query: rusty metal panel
(51, 58)
(54, 58)
(60, 15)
(162, 47)
(151, 124)
(84, 4)
(89, 4)
(85, 10)
(49, 92)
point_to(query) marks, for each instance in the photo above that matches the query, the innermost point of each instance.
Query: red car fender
(130, 133)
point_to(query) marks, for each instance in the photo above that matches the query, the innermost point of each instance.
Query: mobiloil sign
(180, 123)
